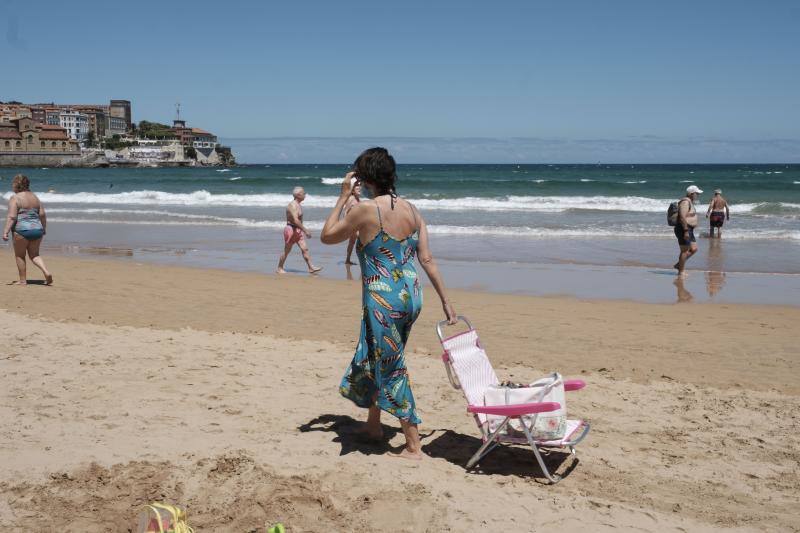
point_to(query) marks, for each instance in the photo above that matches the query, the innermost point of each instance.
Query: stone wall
(37, 160)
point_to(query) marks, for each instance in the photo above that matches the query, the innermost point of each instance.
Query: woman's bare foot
(349, 262)
(21, 282)
(406, 454)
(314, 270)
(280, 271)
(48, 279)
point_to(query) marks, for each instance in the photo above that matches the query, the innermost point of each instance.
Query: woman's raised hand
(347, 184)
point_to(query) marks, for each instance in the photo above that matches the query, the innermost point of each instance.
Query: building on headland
(121, 109)
(52, 116)
(97, 117)
(76, 124)
(115, 126)
(11, 111)
(103, 120)
(182, 133)
(50, 134)
(39, 114)
(23, 141)
(194, 137)
(27, 135)
(203, 139)
(207, 150)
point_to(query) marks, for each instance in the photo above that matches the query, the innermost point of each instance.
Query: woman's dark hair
(377, 167)
(20, 183)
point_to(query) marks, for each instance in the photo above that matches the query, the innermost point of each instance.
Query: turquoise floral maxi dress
(392, 301)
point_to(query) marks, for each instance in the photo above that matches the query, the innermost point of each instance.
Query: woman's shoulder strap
(380, 220)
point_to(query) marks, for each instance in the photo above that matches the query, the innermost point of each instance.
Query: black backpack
(672, 212)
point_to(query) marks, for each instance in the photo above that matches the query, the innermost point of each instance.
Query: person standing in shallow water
(391, 234)
(684, 229)
(27, 221)
(717, 213)
(295, 232)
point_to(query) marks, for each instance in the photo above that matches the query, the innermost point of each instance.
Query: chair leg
(488, 445)
(554, 478)
(482, 452)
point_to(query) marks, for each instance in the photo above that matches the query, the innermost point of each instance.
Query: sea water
(605, 215)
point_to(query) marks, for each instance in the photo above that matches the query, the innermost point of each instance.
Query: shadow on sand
(453, 447)
(345, 428)
(506, 460)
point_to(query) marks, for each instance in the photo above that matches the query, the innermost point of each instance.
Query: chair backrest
(471, 366)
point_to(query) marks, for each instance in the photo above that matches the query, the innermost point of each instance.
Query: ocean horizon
(641, 149)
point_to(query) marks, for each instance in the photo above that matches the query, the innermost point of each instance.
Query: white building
(152, 151)
(76, 124)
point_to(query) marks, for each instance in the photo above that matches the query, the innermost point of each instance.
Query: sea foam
(547, 204)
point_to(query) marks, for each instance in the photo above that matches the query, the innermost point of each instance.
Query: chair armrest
(515, 409)
(574, 384)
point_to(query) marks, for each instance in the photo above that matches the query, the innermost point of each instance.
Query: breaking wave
(553, 204)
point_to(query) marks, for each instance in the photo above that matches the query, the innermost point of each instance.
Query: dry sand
(128, 383)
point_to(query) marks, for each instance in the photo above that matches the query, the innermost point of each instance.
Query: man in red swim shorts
(295, 232)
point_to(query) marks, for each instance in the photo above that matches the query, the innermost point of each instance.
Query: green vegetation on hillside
(154, 130)
(114, 143)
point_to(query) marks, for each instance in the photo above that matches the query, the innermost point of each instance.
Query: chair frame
(491, 439)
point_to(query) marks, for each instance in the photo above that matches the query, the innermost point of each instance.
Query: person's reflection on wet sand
(714, 282)
(716, 256)
(684, 296)
(715, 275)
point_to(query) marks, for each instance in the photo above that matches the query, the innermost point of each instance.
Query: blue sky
(480, 81)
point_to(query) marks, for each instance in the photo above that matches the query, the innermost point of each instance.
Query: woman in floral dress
(391, 236)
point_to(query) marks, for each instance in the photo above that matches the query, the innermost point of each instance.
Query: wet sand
(729, 271)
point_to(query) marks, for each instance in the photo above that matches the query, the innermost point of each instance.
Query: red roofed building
(203, 139)
(25, 136)
(9, 112)
(194, 137)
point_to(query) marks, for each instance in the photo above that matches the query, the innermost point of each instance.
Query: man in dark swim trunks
(684, 229)
(717, 213)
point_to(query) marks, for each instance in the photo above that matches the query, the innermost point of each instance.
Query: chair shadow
(345, 428)
(504, 460)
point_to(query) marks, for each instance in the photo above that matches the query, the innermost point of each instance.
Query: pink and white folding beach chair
(469, 369)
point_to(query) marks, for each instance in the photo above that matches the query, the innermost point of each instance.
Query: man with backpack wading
(684, 218)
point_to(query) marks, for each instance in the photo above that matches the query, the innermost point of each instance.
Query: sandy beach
(131, 382)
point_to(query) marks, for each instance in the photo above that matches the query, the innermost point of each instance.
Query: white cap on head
(297, 191)
(693, 189)
(717, 191)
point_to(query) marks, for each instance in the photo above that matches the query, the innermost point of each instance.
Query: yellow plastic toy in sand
(163, 518)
